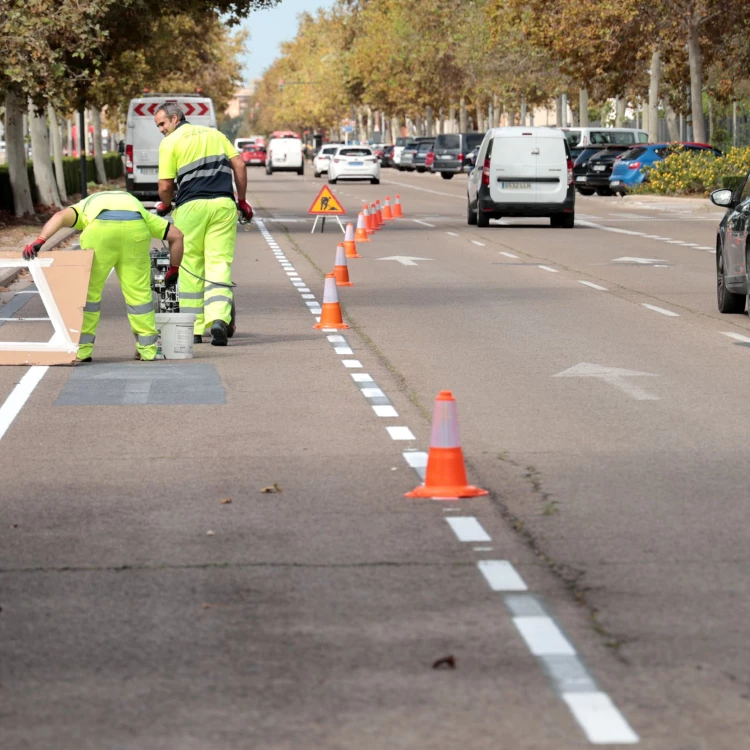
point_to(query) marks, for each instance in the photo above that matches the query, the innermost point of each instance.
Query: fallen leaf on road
(209, 533)
(446, 661)
(226, 501)
(273, 488)
(206, 605)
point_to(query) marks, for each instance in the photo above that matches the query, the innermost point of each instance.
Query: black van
(451, 152)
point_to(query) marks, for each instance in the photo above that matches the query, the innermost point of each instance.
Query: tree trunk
(653, 95)
(96, 121)
(558, 111)
(16, 154)
(463, 116)
(496, 108)
(583, 107)
(480, 115)
(710, 120)
(441, 121)
(429, 121)
(452, 118)
(672, 127)
(369, 124)
(621, 104)
(523, 110)
(696, 81)
(57, 152)
(42, 160)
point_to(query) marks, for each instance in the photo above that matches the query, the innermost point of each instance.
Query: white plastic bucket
(175, 335)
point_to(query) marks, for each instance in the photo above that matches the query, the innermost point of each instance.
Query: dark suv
(600, 167)
(452, 151)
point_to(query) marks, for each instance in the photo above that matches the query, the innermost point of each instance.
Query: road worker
(200, 162)
(118, 228)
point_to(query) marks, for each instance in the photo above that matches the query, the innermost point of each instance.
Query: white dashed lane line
(481, 244)
(508, 255)
(453, 234)
(661, 310)
(423, 223)
(468, 529)
(547, 268)
(737, 337)
(594, 286)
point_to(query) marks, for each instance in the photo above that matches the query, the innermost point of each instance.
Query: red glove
(245, 209)
(32, 249)
(171, 276)
(162, 209)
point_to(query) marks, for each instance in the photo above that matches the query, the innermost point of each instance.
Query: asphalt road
(597, 595)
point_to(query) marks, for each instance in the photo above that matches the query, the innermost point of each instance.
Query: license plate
(255, 161)
(149, 170)
(356, 164)
(614, 183)
(444, 156)
(599, 167)
(515, 185)
(581, 178)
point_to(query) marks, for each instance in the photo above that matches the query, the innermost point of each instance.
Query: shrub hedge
(71, 173)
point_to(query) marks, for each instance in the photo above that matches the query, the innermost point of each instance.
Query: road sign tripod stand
(323, 224)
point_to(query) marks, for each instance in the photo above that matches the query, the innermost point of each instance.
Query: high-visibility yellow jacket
(117, 205)
(197, 158)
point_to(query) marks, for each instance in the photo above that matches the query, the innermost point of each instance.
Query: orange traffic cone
(446, 473)
(340, 268)
(387, 213)
(379, 214)
(331, 314)
(369, 220)
(374, 216)
(397, 213)
(361, 235)
(349, 244)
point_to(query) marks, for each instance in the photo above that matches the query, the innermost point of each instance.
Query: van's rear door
(551, 167)
(513, 167)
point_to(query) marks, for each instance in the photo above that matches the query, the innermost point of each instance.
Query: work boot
(197, 338)
(219, 333)
(85, 359)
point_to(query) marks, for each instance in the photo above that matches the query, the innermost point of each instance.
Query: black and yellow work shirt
(197, 158)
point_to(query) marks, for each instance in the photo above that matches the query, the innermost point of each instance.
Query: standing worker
(118, 228)
(201, 162)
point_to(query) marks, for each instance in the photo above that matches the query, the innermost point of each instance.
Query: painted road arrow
(612, 375)
(404, 260)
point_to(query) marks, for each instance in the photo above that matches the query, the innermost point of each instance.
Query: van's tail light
(570, 171)
(634, 165)
(460, 157)
(430, 158)
(129, 159)
(486, 172)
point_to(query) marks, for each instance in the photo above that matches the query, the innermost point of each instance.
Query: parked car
(398, 149)
(354, 163)
(733, 248)
(471, 158)
(592, 136)
(522, 171)
(629, 170)
(598, 170)
(321, 159)
(406, 164)
(581, 158)
(254, 156)
(386, 160)
(420, 155)
(452, 151)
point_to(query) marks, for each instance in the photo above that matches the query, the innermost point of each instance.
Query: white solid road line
(594, 286)
(661, 310)
(543, 637)
(468, 529)
(600, 719)
(19, 395)
(547, 268)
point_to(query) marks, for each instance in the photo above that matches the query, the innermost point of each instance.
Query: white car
(354, 163)
(320, 162)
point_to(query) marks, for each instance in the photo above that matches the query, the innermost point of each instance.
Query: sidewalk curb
(9, 275)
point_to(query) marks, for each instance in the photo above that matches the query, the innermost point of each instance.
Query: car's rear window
(330, 150)
(473, 140)
(403, 141)
(609, 136)
(448, 141)
(633, 154)
(426, 146)
(355, 152)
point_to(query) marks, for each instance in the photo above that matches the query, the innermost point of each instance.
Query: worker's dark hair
(171, 109)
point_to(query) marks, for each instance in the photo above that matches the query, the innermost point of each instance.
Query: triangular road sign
(326, 204)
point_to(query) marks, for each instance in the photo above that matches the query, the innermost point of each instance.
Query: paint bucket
(175, 335)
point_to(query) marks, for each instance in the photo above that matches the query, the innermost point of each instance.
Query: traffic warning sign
(326, 204)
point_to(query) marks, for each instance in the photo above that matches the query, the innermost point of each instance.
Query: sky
(270, 27)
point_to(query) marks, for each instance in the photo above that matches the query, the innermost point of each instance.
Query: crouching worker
(118, 228)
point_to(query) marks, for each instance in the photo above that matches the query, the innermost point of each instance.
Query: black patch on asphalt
(143, 384)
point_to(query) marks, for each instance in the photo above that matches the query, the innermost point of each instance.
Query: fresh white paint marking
(19, 395)
(424, 223)
(372, 393)
(404, 260)
(600, 719)
(594, 286)
(661, 310)
(481, 244)
(501, 575)
(543, 637)
(308, 296)
(336, 339)
(342, 350)
(508, 255)
(384, 411)
(547, 268)
(416, 459)
(737, 337)
(483, 549)
(612, 375)
(468, 529)
(362, 377)
(400, 433)
(351, 363)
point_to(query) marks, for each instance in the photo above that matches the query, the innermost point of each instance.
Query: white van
(285, 155)
(142, 138)
(580, 137)
(522, 172)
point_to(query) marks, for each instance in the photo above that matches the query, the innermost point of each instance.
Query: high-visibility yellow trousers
(124, 246)
(210, 229)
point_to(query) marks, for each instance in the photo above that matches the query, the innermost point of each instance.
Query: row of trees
(502, 58)
(60, 56)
